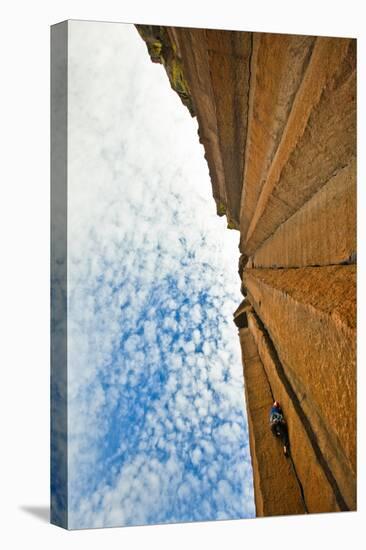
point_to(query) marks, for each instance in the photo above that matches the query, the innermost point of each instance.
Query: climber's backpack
(276, 417)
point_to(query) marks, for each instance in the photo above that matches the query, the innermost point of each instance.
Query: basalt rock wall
(277, 119)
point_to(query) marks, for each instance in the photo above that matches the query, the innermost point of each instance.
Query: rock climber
(279, 426)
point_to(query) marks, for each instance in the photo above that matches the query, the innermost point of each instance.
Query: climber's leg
(274, 429)
(284, 438)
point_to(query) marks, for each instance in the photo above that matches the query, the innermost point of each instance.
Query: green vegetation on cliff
(162, 49)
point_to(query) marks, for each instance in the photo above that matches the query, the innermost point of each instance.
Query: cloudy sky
(156, 417)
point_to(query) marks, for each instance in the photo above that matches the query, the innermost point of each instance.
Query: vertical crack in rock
(241, 321)
(300, 484)
(305, 421)
(249, 112)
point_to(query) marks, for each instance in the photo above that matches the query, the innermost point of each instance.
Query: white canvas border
(25, 273)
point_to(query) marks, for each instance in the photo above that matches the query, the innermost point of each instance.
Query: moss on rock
(232, 224)
(220, 208)
(162, 49)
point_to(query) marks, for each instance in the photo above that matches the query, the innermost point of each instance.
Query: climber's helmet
(276, 404)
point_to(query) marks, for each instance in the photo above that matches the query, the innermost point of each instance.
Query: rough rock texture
(304, 451)
(277, 490)
(228, 56)
(325, 226)
(299, 298)
(270, 102)
(316, 449)
(319, 138)
(277, 119)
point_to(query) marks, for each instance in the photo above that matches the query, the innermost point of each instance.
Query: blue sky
(156, 424)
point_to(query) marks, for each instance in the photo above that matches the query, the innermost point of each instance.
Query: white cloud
(196, 456)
